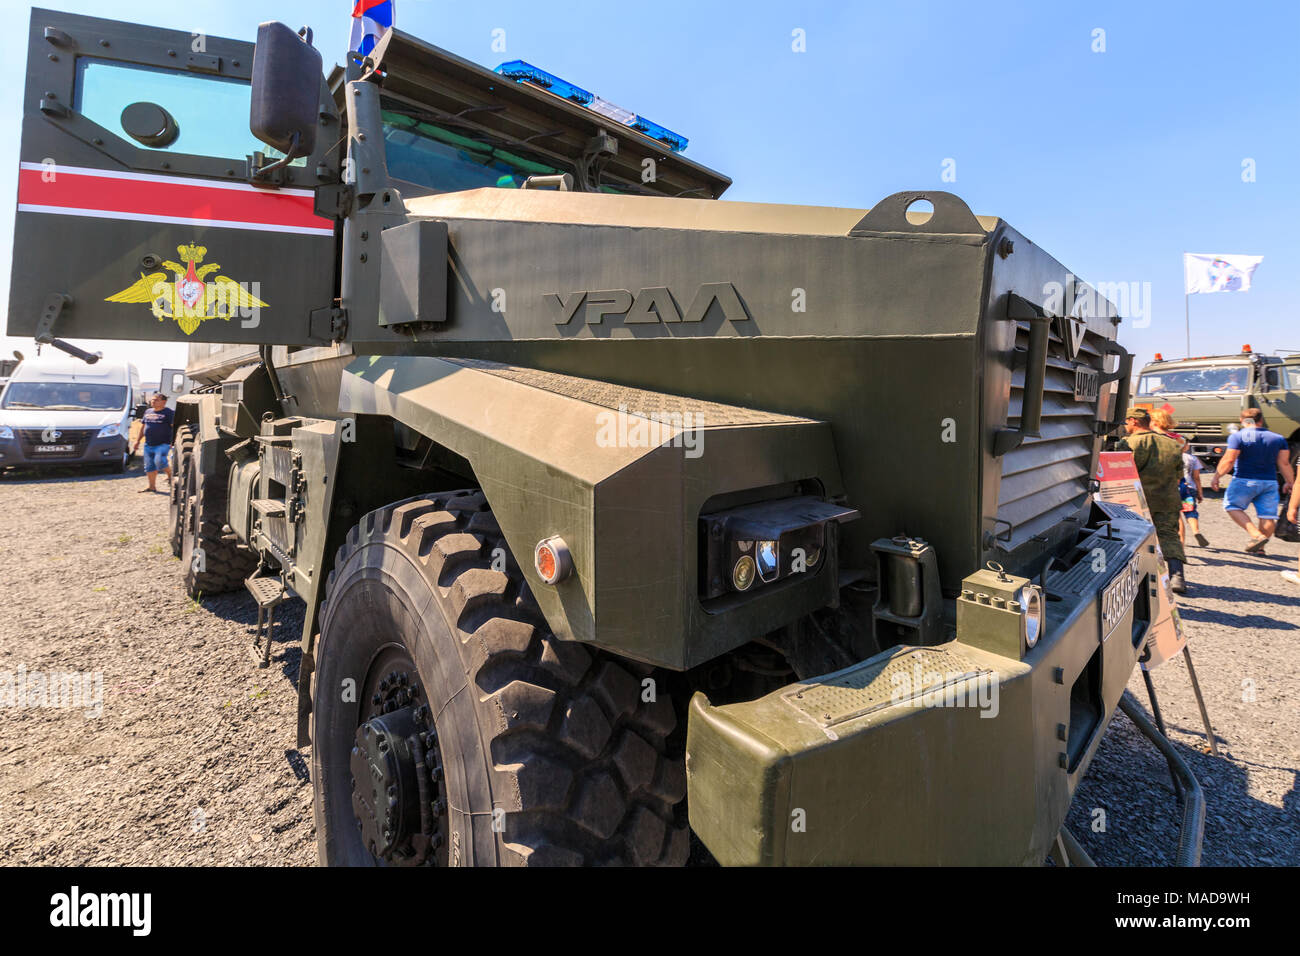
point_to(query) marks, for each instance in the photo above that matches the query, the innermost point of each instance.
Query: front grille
(1200, 429)
(78, 438)
(1046, 478)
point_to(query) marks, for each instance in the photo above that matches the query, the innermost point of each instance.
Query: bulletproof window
(208, 114)
(446, 160)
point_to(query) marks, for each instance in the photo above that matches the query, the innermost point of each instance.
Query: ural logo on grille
(1087, 384)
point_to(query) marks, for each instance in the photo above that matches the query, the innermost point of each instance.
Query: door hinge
(328, 324)
(295, 506)
(204, 63)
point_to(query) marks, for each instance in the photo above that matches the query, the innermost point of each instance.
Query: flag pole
(1187, 320)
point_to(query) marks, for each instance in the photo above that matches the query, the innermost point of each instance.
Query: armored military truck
(1206, 394)
(619, 511)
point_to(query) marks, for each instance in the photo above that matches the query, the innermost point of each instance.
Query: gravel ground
(1244, 625)
(192, 759)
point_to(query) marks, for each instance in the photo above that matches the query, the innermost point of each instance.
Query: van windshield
(66, 396)
(1217, 378)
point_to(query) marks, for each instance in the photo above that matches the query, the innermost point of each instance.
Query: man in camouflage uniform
(1159, 461)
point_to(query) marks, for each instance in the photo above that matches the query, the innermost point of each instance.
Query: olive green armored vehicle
(1206, 395)
(620, 512)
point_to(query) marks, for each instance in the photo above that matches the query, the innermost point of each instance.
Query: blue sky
(1116, 162)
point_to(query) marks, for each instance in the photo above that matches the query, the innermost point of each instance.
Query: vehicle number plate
(52, 448)
(1087, 384)
(1119, 597)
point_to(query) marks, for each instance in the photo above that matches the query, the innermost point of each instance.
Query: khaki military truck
(1206, 394)
(619, 511)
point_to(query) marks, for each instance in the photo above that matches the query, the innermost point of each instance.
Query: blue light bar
(522, 72)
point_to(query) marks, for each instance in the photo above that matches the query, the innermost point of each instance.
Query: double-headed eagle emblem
(189, 299)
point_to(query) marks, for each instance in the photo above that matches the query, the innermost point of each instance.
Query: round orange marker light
(552, 560)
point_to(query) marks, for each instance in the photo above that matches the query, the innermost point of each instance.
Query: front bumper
(1211, 451)
(953, 754)
(95, 451)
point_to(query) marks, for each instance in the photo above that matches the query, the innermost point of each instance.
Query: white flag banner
(1210, 273)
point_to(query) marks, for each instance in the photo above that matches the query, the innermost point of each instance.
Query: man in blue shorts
(157, 436)
(1255, 456)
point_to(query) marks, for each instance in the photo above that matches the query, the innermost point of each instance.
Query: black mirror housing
(285, 107)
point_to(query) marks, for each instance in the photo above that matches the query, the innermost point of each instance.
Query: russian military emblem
(191, 297)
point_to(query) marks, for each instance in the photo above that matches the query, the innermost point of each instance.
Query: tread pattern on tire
(585, 769)
(226, 562)
(184, 448)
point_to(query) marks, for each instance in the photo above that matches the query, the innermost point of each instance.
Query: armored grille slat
(1046, 478)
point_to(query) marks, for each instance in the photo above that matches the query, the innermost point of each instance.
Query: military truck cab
(1206, 394)
(577, 467)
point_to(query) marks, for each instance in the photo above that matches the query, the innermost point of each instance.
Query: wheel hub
(395, 775)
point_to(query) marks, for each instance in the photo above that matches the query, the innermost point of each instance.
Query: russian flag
(371, 19)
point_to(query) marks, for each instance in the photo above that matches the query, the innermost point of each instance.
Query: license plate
(1087, 384)
(1119, 597)
(53, 448)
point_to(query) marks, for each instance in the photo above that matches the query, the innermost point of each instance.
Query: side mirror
(285, 108)
(138, 411)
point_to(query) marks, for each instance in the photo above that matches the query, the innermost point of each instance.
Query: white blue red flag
(371, 19)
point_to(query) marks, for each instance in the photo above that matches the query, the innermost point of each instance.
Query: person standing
(1163, 422)
(1159, 462)
(1255, 455)
(1189, 489)
(1293, 515)
(157, 437)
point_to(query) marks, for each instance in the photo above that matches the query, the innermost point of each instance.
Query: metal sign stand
(1200, 701)
(1160, 725)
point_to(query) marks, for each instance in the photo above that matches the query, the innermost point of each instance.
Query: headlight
(742, 575)
(108, 431)
(759, 544)
(6, 431)
(1031, 613)
(1233, 428)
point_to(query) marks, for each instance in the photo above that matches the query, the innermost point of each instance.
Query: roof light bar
(522, 72)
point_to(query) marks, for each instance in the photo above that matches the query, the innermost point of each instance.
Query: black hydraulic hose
(422, 784)
(90, 358)
(1193, 829)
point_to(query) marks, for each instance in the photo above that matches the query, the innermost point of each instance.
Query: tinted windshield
(66, 396)
(445, 161)
(1219, 378)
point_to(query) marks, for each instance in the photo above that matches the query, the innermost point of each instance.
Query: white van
(60, 411)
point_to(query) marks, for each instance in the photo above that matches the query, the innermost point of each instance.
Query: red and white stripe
(142, 197)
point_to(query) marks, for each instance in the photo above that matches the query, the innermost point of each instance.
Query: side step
(268, 592)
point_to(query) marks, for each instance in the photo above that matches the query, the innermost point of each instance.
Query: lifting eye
(150, 124)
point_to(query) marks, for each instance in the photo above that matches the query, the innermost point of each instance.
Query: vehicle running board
(268, 592)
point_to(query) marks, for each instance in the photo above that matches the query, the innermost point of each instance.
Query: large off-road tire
(225, 562)
(535, 751)
(182, 452)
